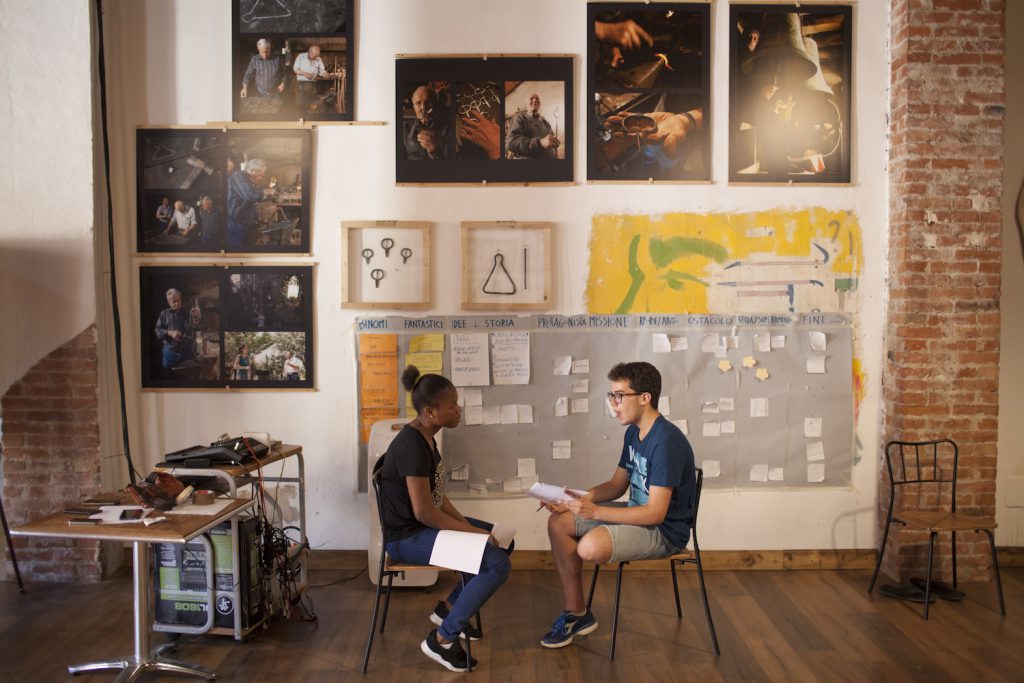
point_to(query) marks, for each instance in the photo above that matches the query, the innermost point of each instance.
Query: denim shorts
(629, 542)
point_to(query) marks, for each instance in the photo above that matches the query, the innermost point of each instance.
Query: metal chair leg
(675, 587)
(881, 549)
(373, 624)
(995, 568)
(615, 611)
(704, 595)
(928, 579)
(387, 602)
(953, 556)
(593, 585)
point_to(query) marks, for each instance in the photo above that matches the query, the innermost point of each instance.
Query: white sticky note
(712, 343)
(678, 343)
(473, 397)
(816, 365)
(578, 406)
(660, 343)
(712, 468)
(775, 474)
(474, 415)
(561, 450)
(460, 473)
(580, 367)
(758, 407)
(682, 426)
(524, 414)
(561, 406)
(562, 365)
(815, 451)
(732, 341)
(710, 407)
(462, 396)
(580, 386)
(817, 340)
(778, 341)
(665, 406)
(511, 486)
(526, 467)
(727, 404)
(812, 427)
(492, 415)
(762, 342)
(510, 414)
(759, 473)
(816, 472)
(728, 426)
(712, 429)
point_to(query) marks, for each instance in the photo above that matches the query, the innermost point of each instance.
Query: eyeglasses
(616, 397)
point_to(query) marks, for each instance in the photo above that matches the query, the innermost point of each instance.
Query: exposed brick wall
(941, 376)
(51, 456)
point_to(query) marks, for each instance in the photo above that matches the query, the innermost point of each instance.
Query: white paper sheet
(732, 341)
(682, 426)
(459, 550)
(816, 472)
(778, 341)
(549, 493)
(817, 340)
(581, 386)
(562, 365)
(510, 357)
(665, 406)
(111, 514)
(510, 414)
(470, 359)
(711, 429)
(815, 451)
(472, 397)
(474, 415)
(759, 473)
(492, 415)
(759, 407)
(712, 468)
(728, 426)
(812, 427)
(727, 404)
(578, 406)
(660, 343)
(580, 367)
(191, 508)
(561, 449)
(526, 467)
(763, 342)
(561, 406)
(524, 414)
(678, 343)
(775, 474)
(816, 365)
(512, 486)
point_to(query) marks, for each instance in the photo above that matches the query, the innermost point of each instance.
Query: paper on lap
(459, 550)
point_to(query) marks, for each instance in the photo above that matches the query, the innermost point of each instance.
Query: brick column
(51, 456)
(941, 376)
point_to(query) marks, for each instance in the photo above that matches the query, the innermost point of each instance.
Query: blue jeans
(170, 358)
(237, 232)
(468, 596)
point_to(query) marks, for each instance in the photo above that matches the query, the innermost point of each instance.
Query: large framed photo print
(649, 80)
(790, 93)
(484, 119)
(293, 59)
(218, 327)
(207, 190)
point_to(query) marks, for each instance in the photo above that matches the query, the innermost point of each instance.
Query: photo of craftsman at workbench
(210, 191)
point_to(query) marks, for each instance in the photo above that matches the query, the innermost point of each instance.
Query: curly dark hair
(426, 389)
(642, 377)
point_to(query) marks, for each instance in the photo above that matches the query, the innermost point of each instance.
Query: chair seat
(393, 566)
(946, 521)
(682, 555)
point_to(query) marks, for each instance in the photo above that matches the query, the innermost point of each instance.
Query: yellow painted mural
(759, 262)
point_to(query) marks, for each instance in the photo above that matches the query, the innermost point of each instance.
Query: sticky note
(473, 397)
(758, 407)
(561, 406)
(816, 365)
(709, 407)
(474, 415)
(682, 426)
(812, 427)
(775, 474)
(817, 340)
(562, 365)
(512, 486)
(578, 406)
(665, 406)
(660, 343)
(815, 451)
(492, 415)
(580, 367)
(524, 414)
(816, 472)
(759, 473)
(762, 342)
(526, 467)
(712, 429)
(460, 473)
(711, 343)
(778, 341)
(712, 468)
(510, 414)
(727, 404)
(561, 450)
(728, 426)
(678, 343)
(581, 386)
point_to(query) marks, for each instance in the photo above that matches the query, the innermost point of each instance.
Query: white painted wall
(1010, 471)
(46, 192)
(170, 62)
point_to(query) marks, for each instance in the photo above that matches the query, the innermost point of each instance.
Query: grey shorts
(629, 542)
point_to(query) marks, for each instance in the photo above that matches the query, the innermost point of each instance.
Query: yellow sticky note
(426, 342)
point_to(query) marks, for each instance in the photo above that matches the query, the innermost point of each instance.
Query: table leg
(143, 660)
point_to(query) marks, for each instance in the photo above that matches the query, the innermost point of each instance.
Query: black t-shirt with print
(409, 455)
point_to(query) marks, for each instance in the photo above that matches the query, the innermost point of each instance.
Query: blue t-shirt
(663, 458)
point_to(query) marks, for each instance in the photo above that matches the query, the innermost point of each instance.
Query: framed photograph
(293, 59)
(386, 264)
(790, 93)
(218, 327)
(649, 81)
(506, 266)
(215, 191)
(467, 120)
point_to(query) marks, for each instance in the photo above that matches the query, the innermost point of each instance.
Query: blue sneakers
(567, 627)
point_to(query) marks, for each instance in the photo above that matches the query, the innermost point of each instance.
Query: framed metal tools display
(506, 266)
(386, 264)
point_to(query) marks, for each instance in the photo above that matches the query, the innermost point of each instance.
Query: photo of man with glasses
(656, 467)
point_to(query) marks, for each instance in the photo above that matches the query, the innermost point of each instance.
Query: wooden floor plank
(772, 625)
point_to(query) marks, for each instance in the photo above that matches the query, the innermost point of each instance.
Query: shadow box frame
(356, 260)
(489, 275)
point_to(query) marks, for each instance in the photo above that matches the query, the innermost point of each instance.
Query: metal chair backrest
(923, 462)
(699, 474)
(376, 479)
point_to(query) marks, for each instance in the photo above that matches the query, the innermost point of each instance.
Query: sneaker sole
(439, 659)
(437, 621)
(568, 641)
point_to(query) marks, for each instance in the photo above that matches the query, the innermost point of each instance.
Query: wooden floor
(772, 626)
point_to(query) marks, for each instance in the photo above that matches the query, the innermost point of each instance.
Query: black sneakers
(452, 658)
(441, 613)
